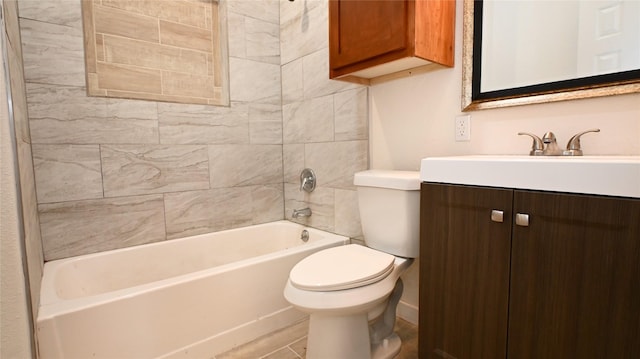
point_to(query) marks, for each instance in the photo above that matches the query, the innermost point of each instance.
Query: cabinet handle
(522, 219)
(497, 216)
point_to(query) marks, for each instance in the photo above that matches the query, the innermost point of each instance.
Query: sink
(602, 175)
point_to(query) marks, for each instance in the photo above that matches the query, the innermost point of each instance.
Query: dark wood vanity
(563, 282)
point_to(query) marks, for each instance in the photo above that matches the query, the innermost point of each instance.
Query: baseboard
(408, 312)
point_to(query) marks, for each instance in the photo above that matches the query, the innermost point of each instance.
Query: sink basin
(602, 175)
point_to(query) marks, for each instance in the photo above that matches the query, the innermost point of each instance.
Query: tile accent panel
(173, 51)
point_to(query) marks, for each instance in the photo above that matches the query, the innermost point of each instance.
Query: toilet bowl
(351, 292)
(341, 310)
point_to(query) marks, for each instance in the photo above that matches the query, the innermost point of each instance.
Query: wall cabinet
(562, 282)
(369, 39)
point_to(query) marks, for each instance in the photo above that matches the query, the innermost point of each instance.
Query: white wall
(412, 118)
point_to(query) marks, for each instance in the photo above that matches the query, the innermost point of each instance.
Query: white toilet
(351, 292)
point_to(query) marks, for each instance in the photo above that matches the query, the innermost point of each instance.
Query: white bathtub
(190, 297)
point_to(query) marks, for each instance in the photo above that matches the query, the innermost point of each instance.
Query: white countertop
(602, 175)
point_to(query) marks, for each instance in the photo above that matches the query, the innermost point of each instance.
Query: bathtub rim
(51, 305)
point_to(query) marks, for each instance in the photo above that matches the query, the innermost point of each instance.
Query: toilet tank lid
(402, 180)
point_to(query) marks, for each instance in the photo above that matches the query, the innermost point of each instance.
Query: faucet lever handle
(573, 146)
(536, 146)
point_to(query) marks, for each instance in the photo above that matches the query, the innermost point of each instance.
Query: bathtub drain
(305, 235)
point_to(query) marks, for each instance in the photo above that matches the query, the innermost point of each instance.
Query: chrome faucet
(548, 144)
(305, 212)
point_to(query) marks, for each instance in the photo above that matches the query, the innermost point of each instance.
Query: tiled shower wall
(324, 122)
(113, 173)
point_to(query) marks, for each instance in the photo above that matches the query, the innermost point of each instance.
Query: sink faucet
(548, 144)
(305, 212)
(550, 147)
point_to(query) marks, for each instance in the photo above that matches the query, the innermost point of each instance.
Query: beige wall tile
(64, 114)
(347, 213)
(253, 81)
(183, 12)
(53, 54)
(18, 98)
(75, 228)
(128, 78)
(112, 21)
(303, 29)
(262, 41)
(320, 201)
(351, 114)
(292, 82)
(265, 124)
(316, 82)
(61, 12)
(293, 159)
(33, 240)
(180, 84)
(243, 165)
(237, 36)
(267, 10)
(195, 124)
(135, 169)
(186, 36)
(268, 203)
(308, 121)
(125, 51)
(335, 163)
(196, 212)
(67, 172)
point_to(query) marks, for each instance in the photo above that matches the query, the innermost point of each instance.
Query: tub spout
(305, 212)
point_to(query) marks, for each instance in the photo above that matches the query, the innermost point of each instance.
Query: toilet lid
(341, 267)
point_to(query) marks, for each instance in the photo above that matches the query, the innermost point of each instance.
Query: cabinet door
(575, 278)
(362, 30)
(464, 272)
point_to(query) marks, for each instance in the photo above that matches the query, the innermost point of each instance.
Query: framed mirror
(534, 51)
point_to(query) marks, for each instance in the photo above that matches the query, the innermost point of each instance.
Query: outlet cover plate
(463, 128)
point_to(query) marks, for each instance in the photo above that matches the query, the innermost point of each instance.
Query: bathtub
(191, 297)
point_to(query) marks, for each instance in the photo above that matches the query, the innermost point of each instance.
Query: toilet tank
(389, 203)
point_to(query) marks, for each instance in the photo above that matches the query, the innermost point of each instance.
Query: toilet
(351, 292)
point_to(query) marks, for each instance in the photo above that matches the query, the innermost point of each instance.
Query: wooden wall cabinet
(565, 284)
(373, 39)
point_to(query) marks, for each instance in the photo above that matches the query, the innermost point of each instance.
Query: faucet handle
(573, 146)
(307, 180)
(536, 146)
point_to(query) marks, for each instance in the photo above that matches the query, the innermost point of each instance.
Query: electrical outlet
(463, 128)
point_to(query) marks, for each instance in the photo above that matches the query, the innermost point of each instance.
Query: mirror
(549, 63)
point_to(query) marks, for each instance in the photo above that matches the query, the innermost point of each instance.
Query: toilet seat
(342, 267)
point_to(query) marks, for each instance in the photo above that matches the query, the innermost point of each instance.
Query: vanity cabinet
(368, 39)
(562, 282)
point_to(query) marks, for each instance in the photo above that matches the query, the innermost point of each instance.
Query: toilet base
(388, 348)
(354, 336)
(338, 337)
(351, 341)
